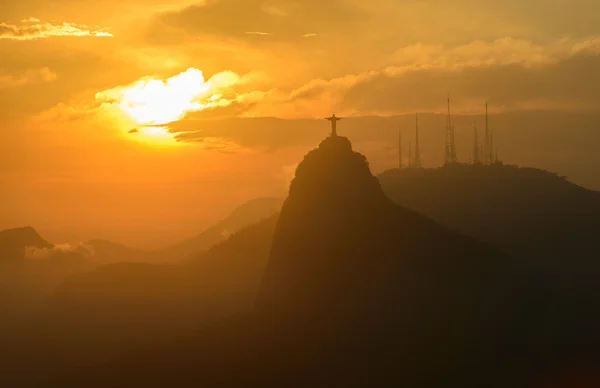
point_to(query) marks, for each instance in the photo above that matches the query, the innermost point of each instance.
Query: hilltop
(13, 242)
(530, 213)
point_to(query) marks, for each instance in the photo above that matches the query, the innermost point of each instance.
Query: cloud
(152, 101)
(514, 74)
(566, 84)
(257, 33)
(33, 76)
(33, 28)
(35, 253)
(209, 143)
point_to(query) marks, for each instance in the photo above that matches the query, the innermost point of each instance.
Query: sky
(140, 121)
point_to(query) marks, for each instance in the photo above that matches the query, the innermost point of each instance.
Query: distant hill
(30, 267)
(361, 292)
(246, 214)
(13, 243)
(106, 252)
(93, 315)
(530, 213)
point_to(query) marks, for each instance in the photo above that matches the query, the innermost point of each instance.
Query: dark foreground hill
(361, 292)
(532, 214)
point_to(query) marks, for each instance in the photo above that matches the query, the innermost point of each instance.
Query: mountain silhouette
(534, 215)
(106, 252)
(97, 314)
(13, 243)
(357, 292)
(244, 215)
(30, 268)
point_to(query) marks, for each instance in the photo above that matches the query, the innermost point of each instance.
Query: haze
(144, 121)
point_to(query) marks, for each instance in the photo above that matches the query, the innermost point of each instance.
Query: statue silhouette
(334, 121)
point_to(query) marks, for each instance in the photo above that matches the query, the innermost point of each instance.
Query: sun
(157, 102)
(151, 104)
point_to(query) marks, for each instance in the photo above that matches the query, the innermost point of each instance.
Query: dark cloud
(264, 133)
(209, 143)
(568, 84)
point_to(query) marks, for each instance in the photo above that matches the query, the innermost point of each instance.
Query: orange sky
(76, 77)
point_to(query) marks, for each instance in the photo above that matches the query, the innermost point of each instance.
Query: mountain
(361, 292)
(30, 267)
(94, 315)
(532, 214)
(246, 214)
(13, 243)
(106, 252)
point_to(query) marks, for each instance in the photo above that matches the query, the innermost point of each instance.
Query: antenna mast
(417, 151)
(488, 146)
(450, 154)
(400, 147)
(476, 156)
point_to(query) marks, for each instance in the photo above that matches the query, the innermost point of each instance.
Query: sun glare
(153, 103)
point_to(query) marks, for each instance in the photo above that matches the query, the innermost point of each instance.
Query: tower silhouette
(417, 151)
(410, 161)
(400, 147)
(476, 155)
(450, 152)
(488, 153)
(492, 158)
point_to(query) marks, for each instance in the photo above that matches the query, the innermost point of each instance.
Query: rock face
(333, 220)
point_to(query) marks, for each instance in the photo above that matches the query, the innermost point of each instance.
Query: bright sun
(153, 103)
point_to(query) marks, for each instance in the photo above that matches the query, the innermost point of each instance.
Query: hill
(532, 214)
(246, 214)
(30, 267)
(13, 243)
(361, 292)
(107, 252)
(96, 315)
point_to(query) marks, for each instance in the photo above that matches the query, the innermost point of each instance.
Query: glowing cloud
(33, 28)
(154, 102)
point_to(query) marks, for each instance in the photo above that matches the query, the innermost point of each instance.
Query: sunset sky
(139, 120)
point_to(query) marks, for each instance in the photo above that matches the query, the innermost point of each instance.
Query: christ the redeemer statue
(334, 121)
